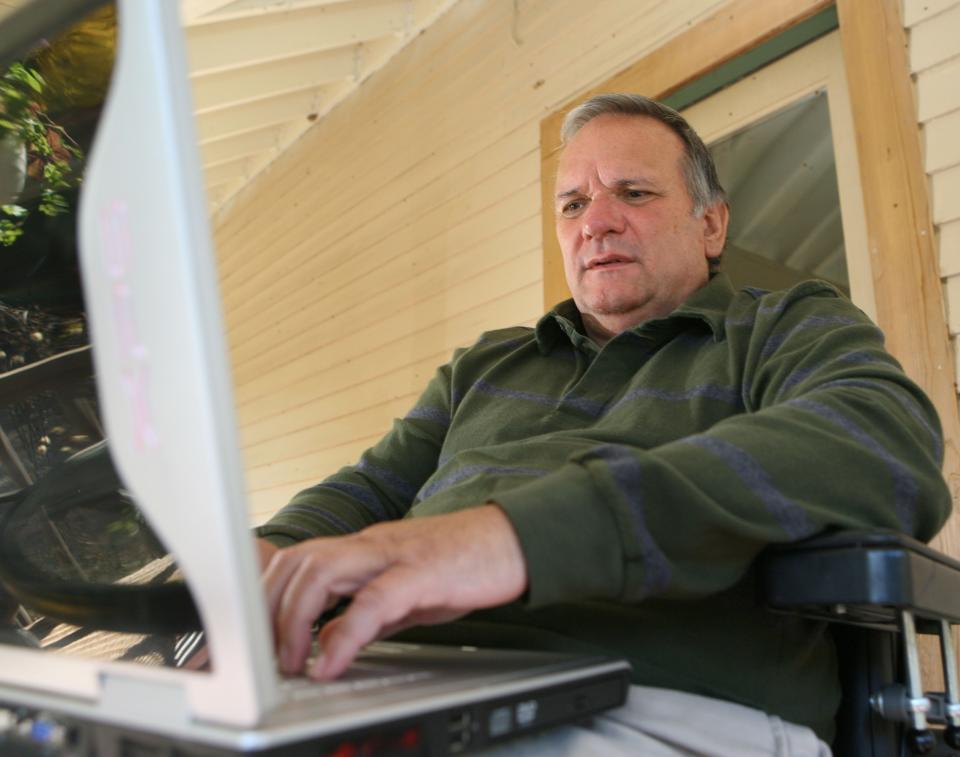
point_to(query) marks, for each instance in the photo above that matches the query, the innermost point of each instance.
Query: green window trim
(743, 65)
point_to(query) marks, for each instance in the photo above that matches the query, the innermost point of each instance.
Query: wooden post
(906, 275)
(903, 254)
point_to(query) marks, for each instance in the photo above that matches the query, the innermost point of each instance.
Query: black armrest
(861, 577)
(887, 581)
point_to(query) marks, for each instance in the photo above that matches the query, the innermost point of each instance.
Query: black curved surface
(878, 572)
(59, 570)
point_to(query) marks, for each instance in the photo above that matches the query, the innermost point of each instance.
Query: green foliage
(51, 153)
(10, 231)
(14, 211)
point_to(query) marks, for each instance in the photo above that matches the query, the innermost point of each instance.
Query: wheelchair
(880, 591)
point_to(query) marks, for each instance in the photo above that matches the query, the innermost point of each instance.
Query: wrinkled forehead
(611, 148)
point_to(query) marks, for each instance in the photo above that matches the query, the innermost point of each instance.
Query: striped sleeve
(834, 436)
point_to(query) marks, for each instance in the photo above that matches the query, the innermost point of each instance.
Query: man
(605, 480)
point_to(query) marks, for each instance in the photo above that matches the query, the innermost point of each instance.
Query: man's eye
(636, 194)
(571, 208)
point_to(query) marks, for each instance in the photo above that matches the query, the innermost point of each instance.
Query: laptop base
(447, 731)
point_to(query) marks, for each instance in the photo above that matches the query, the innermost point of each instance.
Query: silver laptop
(123, 518)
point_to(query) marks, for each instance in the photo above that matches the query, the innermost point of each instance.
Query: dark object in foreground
(51, 542)
(881, 589)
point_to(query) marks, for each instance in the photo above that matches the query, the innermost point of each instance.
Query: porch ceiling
(263, 71)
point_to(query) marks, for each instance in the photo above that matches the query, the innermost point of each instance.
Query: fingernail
(319, 667)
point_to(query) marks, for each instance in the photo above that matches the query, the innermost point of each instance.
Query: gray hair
(699, 171)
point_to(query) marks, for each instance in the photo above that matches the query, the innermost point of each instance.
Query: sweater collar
(708, 305)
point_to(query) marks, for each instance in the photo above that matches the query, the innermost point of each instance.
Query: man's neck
(602, 329)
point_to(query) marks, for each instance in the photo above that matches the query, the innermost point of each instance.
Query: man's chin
(611, 307)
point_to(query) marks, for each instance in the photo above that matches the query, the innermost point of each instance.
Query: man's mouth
(607, 261)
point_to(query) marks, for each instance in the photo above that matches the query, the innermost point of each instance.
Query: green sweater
(644, 477)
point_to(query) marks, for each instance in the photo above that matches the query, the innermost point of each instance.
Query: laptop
(123, 518)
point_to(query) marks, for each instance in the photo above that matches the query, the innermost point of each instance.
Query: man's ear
(715, 220)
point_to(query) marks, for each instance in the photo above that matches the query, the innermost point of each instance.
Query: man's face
(632, 248)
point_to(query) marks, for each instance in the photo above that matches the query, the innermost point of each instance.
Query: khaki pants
(664, 723)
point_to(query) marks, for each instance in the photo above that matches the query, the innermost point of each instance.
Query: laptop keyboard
(361, 676)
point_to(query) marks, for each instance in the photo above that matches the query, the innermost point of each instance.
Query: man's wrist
(508, 549)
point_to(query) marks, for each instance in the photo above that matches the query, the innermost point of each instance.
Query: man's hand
(399, 574)
(265, 553)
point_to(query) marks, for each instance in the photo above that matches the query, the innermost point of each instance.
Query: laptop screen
(82, 571)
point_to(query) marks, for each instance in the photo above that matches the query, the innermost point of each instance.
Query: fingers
(399, 574)
(291, 634)
(301, 582)
(384, 603)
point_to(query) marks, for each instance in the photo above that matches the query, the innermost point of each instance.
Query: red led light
(346, 749)
(410, 738)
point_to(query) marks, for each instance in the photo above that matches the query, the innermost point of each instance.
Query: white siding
(403, 224)
(915, 11)
(934, 28)
(950, 249)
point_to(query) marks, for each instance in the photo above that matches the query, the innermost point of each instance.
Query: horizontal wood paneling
(952, 286)
(403, 224)
(488, 96)
(365, 171)
(331, 444)
(934, 40)
(915, 11)
(289, 456)
(391, 272)
(323, 404)
(359, 228)
(934, 37)
(950, 248)
(942, 141)
(432, 304)
(300, 379)
(447, 303)
(937, 90)
(263, 501)
(946, 195)
(406, 221)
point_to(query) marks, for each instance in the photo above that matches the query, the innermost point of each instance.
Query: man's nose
(602, 217)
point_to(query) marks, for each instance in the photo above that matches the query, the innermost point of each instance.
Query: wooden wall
(934, 28)
(407, 221)
(403, 224)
